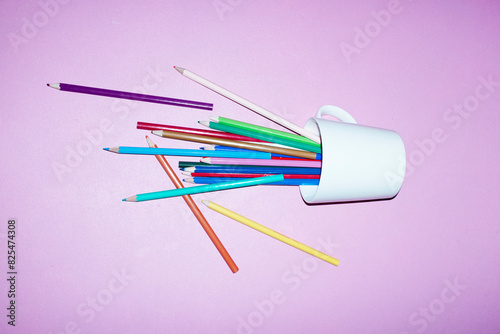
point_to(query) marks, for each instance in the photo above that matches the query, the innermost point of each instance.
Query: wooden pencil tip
(214, 119)
(179, 69)
(206, 202)
(206, 160)
(54, 85)
(205, 123)
(189, 180)
(130, 199)
(157, 132)
(112, 149)
(150, 142)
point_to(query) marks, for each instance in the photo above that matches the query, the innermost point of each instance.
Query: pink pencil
(263, 162)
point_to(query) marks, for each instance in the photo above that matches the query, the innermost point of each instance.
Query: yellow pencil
(271, 233)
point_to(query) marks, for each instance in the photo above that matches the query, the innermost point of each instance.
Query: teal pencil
(204, 188)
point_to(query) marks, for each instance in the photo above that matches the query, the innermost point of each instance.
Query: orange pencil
(196, 211)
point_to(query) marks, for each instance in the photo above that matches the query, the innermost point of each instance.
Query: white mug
(359, 163)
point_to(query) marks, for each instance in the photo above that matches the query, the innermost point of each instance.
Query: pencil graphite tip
(179, 69)
(106, 149)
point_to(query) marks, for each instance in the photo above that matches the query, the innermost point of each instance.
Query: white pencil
(238, 99)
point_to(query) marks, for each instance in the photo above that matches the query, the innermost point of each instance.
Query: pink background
(426, 261)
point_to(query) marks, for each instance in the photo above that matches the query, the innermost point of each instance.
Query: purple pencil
(131, 96)
(263, 162)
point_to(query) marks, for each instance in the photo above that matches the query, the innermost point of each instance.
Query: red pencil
(286, 176)
(203, 132)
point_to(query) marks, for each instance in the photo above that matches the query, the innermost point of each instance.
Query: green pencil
(267, 133)
(204, 188)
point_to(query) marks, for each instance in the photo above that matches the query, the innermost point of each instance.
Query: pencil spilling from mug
(359, 163)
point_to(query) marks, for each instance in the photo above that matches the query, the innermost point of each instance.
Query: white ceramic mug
(359, 163)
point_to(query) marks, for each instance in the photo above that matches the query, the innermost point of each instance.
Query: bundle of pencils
(229, 160)
(241, 155)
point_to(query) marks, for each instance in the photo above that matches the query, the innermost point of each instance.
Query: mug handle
(336, 112)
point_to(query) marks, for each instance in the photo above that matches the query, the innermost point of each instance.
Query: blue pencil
(204, 188)
(189, 153)
(286, 182)
(253, 169)
(275, 155)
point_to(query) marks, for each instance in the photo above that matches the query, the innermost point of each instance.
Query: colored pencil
(194, 131)
(206, 168)
(264, 136)
(286, 182)
(234, 143)
(246, 175)
(204, 189)
(252, 106)
(182, 164)
(262, 129)
(273, 155)
(131, 96)
(264, 162)
(278, 236)
(194, 208)
(188, 153)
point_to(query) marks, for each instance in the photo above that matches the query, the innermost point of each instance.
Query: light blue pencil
(189, 153)
(205, 188)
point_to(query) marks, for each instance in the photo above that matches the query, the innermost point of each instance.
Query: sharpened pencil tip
(157, 132)
(130, 199)
(206, 202)
(112, 149)
(150, 142)
(54, 85)
(179, 69)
